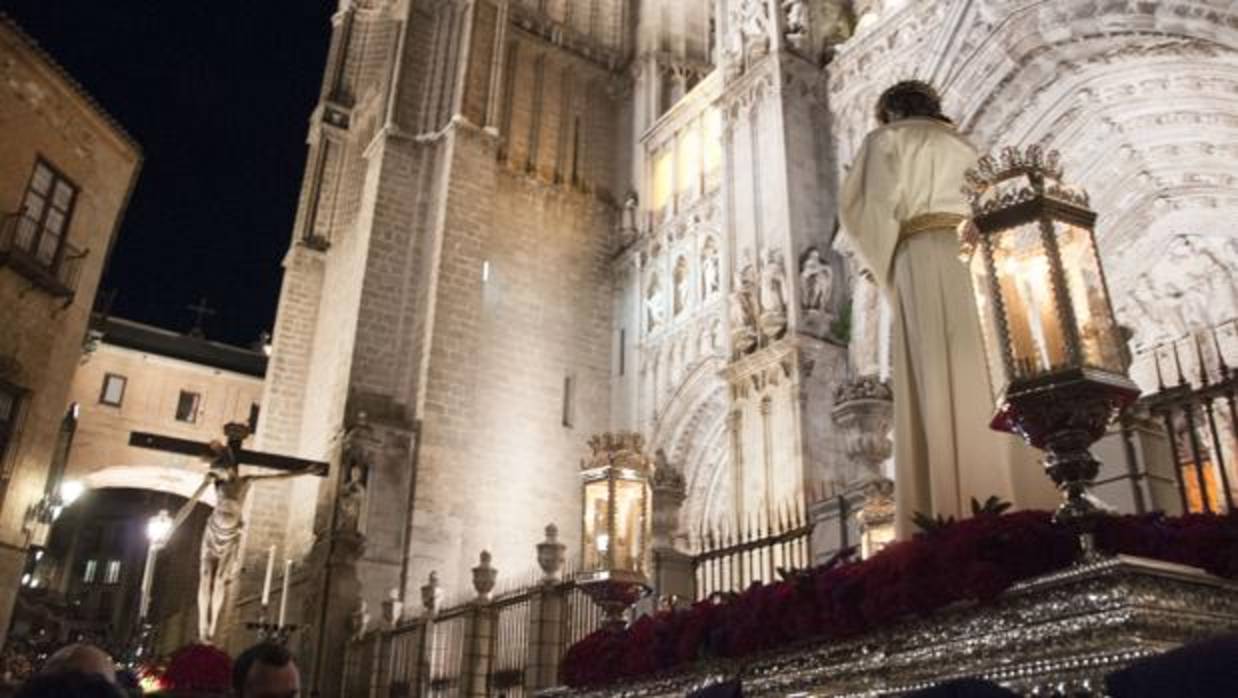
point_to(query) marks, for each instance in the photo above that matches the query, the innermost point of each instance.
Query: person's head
(908, 99)
(69, 684)
(82, 658)
(266, 670)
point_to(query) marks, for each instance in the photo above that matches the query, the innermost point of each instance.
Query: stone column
(479, 634)
(864, 412)
(672, 568)
(337, 591)
(549, 604)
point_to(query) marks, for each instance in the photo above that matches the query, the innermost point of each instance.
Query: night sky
(219, 95)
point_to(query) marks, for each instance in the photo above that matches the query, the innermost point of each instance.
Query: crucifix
(201, 311)
(221, 540)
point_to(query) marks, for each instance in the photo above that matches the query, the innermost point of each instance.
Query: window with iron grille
(43, 223)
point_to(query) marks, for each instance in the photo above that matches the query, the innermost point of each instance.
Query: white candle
(283, 597)
(266, 584)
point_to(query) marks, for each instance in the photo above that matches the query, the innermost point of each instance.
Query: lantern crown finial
(1016, 175)
(620, 449)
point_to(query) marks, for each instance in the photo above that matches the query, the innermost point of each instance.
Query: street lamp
(1053, 347)
(158, 530)
(616, 524)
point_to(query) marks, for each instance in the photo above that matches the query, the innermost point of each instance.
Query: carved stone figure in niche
(750, 36)
(710, 275)
(796, 13)
(352, 498)
(655, 309)
(630, 207)
(744, 311)
(773, 296)
(681, 285)
(816, 282)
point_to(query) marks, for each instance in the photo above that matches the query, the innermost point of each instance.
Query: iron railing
(1197, 402)
(732, 559)
(24, 247)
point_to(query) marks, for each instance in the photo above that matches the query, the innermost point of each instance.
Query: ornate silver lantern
(616, 523)
(1054, 352)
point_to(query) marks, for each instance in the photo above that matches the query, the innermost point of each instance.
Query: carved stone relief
(655, 306)
(773, 296)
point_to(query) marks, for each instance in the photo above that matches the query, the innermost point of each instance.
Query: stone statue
(744, 311)
(655, 309)
(773, 295)
(630, 207)
(796, 12)
(681, 286)
(816, 281)
(710, 276)
(750, 33)
(352, 498)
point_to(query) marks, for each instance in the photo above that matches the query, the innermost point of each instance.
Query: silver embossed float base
(1059, 633)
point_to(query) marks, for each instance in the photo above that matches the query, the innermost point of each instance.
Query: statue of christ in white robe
(901, 205)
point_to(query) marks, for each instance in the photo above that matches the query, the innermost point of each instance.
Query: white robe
(944, 452)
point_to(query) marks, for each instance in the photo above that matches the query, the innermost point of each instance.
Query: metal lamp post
(158, 530)
(1054, 352)
(616, 524)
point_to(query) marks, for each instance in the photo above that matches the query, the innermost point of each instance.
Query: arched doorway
(85, 583)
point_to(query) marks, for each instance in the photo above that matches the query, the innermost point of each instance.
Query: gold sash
(929, 222)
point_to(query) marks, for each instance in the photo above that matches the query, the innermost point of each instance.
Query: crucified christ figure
(221, 540)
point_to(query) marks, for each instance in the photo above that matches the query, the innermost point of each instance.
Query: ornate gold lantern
(1054, 352)
(616, 523)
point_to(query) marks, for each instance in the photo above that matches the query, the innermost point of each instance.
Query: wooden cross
(230, 453)
(202, 311)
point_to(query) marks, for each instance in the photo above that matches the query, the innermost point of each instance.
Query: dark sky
(218, 93)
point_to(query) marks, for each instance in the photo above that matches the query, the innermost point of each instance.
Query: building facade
(135, 377)
(524, 222)
(66, 173)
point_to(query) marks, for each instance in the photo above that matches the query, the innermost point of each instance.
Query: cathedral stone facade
(524, 222)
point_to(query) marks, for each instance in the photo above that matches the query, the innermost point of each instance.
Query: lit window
(713, 141)
(112, 574)
(92, 570)
(663, 176)
(113, 390)
(689, 159)
(187, 407)
(485, 271)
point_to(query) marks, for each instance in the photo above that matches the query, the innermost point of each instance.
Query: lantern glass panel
(597, 533)
(630, 521)
(981, 287)
(1089, 299)
(1034, 327)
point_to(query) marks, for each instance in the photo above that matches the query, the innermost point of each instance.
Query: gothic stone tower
(448, 287)
(524, 222)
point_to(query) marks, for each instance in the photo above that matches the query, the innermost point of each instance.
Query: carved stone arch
(182, 482)
(1140, 98)
(688, 429)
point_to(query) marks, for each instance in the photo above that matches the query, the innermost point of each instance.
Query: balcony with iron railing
(47, 262)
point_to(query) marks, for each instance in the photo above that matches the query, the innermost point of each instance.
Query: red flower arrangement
(199, 669)
(975, 559)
